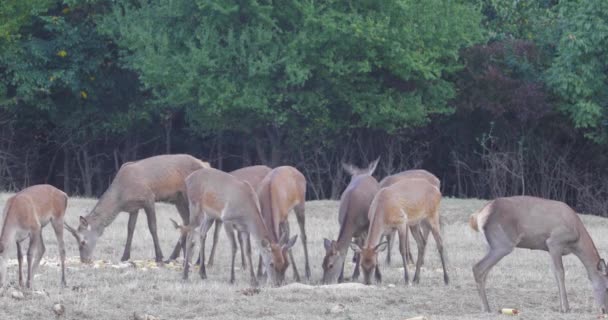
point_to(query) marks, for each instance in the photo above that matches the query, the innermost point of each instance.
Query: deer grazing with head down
(388, 181)
(254, 176)
(25, 214)
(138, 185)
(354, 206)
(214, 194)
(282, 190)
(537, 224)
(404, 204)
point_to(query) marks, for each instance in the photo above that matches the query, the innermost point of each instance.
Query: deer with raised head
(404, 204)
(408, 174)
(354, 206)
(537, 224)
(254, 176)
(138, 185)
(214, 194)
(25, 214)
(282, 190)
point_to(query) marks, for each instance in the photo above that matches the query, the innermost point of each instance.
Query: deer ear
(290, 243)
(175, 224)
(265, 244)
(601, 266)
(355, 247)
(83, 221)
(327, 244)
(381, 247)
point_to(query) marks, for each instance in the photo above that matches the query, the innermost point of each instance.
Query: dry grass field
(522, 280)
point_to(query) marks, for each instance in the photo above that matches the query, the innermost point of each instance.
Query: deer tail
(473, 222)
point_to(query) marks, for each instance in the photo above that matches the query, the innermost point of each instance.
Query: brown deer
(537, 224)
(25, 214)
(408, 174)
(405, 203)
(253, 175)
(138, 185)
(214, 194)
(282, 190)
(354, 206)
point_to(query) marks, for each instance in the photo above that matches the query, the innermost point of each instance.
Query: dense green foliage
(488, 94)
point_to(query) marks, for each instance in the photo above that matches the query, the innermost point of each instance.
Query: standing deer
(253, 175)
(537, 224)
(402, 205)
(282, 190)
(25, 214)
(354, 206)
(213, 194)
(138, 185)
(408, 174)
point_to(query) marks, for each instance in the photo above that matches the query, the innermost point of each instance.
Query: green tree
(294, 68)
(578, 73)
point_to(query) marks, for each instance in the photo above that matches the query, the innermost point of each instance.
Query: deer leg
(20, 262)
(240, 236)
(408, 251)
(482, 268)
(421, 244)
(434, 224)
(151, 215)
(182, 208)
(555, 250)
(300, 216)
(130, 230)
(389, 247)
(194, 221)
(230, 233)
(216, 236)
(31, 252)
(58, 228)
(377, 274)
(403, 250)
(206, 225)
(284, 226)
(357, 258)
(425, 228)
(254, 281)
(39, 253)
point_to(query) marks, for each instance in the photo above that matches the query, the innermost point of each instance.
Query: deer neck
(347, 230)
(105, 211)
(586, 251)
(376, 227)
(267, 214)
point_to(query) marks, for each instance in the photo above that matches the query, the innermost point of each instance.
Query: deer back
(253, 174)
(162, 175)
(408, 174)
(282, 189)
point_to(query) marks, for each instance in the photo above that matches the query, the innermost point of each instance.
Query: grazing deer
(408, 174)
(253, 175)
(537, 224)
(354, 206)
(25, 214)
(213, 194)
(282, 190)
(404, 204)
(138, 185)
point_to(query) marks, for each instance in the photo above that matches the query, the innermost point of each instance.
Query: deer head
(332, 263)
(275, 259)
(86, 237)
(369, 260)
(600, 286)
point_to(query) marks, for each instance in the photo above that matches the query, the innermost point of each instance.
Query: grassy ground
(522, 280)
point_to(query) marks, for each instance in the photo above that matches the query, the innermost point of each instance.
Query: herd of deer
(253, 203)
